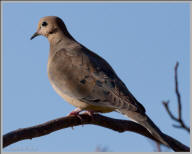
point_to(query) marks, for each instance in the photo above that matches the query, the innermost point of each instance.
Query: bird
(86, 80)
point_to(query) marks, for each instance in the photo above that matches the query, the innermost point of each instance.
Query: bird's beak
(34, 35)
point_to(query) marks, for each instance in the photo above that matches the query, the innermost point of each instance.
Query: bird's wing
(109, 90)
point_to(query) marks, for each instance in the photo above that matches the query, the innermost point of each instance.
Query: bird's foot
(90, 113)
(76, 113)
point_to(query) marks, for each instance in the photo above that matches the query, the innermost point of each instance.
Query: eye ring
(44, 23)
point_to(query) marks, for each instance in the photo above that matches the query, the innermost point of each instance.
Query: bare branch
(179, 119)
(177, 126)
(70, 121)
(166, 105)
(177, 92)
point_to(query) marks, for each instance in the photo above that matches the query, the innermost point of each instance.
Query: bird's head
(49, 26)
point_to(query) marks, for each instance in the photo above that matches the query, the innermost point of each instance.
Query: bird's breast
(72, 79)
(68, 77)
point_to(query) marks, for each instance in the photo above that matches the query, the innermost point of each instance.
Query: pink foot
(90, 113)
(76, 113)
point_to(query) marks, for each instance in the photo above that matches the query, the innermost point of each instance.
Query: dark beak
(34, 35)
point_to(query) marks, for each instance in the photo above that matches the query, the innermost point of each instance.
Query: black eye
(44, 24)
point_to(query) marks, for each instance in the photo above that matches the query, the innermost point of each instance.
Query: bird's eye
(44, 24)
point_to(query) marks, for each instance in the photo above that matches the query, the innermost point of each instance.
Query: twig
(166, 105)
(177, 92)
(96, 119)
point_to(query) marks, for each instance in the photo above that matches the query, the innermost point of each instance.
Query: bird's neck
(56, 37)
(60, 41)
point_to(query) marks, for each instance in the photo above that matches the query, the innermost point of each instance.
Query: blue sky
(141, 41)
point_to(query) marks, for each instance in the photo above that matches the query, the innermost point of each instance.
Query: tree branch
(177, 92)
(165, 103)
(70, 121)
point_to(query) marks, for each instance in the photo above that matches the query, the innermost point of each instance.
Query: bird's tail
(154, 130)
(146, 122)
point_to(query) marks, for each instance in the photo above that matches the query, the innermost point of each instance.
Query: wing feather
(109, 85)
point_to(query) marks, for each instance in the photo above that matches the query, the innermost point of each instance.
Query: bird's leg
(75, 113)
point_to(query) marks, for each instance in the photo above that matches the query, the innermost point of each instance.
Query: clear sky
(141, 41)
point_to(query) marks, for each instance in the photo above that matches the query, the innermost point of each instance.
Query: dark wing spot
(114, 99)
(96, 100)
(83, 81)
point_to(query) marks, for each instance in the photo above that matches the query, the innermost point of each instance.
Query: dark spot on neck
(53, 31)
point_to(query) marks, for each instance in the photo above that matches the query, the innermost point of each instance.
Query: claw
(76, 113)
(90, 113)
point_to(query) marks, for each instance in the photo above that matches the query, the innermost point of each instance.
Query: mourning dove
(86, 80)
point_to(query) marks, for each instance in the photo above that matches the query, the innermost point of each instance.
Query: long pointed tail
(153, 129)
(146, 122)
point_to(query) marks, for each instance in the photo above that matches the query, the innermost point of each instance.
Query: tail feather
(154, 130)
(146, 122)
